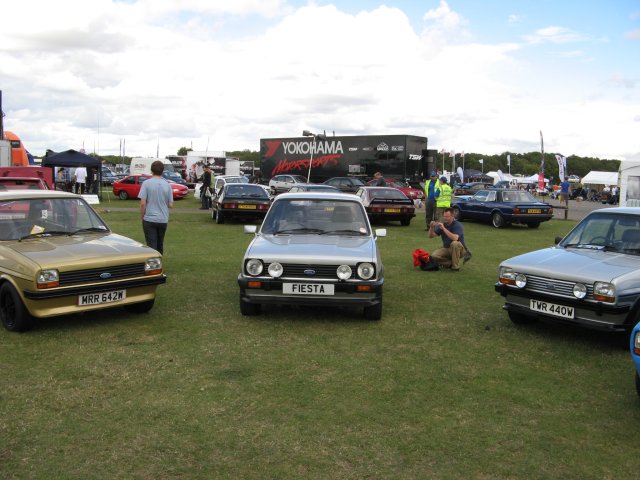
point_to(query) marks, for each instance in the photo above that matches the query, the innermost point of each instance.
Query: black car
(502, 207)
(240, 200)
(387, 204)
(345, 184)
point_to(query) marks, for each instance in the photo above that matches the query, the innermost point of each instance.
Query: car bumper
(345, 293)
(62, 301)
(598, 316)
(529, 218)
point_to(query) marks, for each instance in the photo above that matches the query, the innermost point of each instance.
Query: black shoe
(466, 258)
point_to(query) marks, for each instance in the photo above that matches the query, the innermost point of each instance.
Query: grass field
(444, 386)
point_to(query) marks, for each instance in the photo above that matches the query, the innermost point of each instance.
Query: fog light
(275, 269)
(344, 272)
(521, 280)
(579, 290)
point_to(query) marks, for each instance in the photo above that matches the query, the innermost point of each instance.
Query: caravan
(629, 178)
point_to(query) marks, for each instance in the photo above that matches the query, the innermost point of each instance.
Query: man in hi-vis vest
(431, 193)
(444, 199)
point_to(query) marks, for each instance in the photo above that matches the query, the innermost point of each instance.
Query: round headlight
(579, 290)
(344, 272)
(521, 280)
(275, 269)
(366, 271)
(254, 267)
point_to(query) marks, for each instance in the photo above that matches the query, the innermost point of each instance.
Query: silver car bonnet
(320, 249)
(578, 265)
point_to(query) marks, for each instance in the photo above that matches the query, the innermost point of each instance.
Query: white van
(142, 165)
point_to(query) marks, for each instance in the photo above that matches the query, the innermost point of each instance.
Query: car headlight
(521, 280)
(48, 278)
(579, 290)
(636, 343)
(254, 267)
(275, 270)
(506, 275)
(366, 271)
(604, 292)
(344, 272)
(153, 266)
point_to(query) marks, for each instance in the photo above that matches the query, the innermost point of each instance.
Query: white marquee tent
(600, 178)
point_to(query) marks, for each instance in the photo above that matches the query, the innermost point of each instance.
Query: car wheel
(497, 220)
(638, 384)
(123, 195)
(248, 308)
(373, 312)
(457, 214)
(219, 217)
(405, 222)
(520, 319)
(142, 307)
(533, 224)
(15, 316)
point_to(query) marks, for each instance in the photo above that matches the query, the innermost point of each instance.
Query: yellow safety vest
(444, 200)
(436, 188)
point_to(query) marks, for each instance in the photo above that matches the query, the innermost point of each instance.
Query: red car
(408, 190)
(22, 183)
(129, 187)
(386, 204)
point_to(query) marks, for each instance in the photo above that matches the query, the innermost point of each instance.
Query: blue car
(502, 207)
(635, 353)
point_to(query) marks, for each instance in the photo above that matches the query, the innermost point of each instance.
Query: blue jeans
(154, 234)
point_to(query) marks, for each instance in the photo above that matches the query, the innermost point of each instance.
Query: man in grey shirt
(156, 198)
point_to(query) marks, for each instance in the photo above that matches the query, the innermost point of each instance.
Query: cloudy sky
(474, 76)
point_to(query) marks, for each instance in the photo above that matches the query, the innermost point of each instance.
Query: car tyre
(405, 222)
(374, 312)
(15, 316)
(520, 319)
(248, 308)
(533, 224)
(638, 384)
(497, 220)
(123, 195)
(142, 307)
(457, 214)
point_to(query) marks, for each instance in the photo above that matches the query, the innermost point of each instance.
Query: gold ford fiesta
(58, 257)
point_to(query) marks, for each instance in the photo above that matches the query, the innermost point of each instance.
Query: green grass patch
(444, 386)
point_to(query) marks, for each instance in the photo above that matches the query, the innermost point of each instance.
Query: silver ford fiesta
(313, 249)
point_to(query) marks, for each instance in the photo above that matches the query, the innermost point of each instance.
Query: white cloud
(152, 70)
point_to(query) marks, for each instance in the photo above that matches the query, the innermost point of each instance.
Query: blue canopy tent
(74, 159)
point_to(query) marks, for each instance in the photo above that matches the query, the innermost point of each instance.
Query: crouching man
(453, 247)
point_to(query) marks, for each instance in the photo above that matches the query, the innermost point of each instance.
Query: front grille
(551, 286)
(93, 275)
(320, 271)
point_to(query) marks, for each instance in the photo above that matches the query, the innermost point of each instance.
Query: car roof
(319, 196)
(29, 194)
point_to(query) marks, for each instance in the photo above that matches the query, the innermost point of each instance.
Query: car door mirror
(250, 229)
(381, 232)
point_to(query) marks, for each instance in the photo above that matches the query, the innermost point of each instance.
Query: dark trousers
(206, 201)
(430, 210)
(154, 234)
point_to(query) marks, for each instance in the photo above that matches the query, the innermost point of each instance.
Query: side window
(491, 197)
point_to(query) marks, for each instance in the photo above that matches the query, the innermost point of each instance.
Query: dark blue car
(502, 207)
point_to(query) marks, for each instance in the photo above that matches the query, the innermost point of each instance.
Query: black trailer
(396, 156)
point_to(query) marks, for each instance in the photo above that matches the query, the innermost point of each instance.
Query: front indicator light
(364, 288)
(48, 279)
(254, 284)
(153, 266)
(506, 276)
(636, 343)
